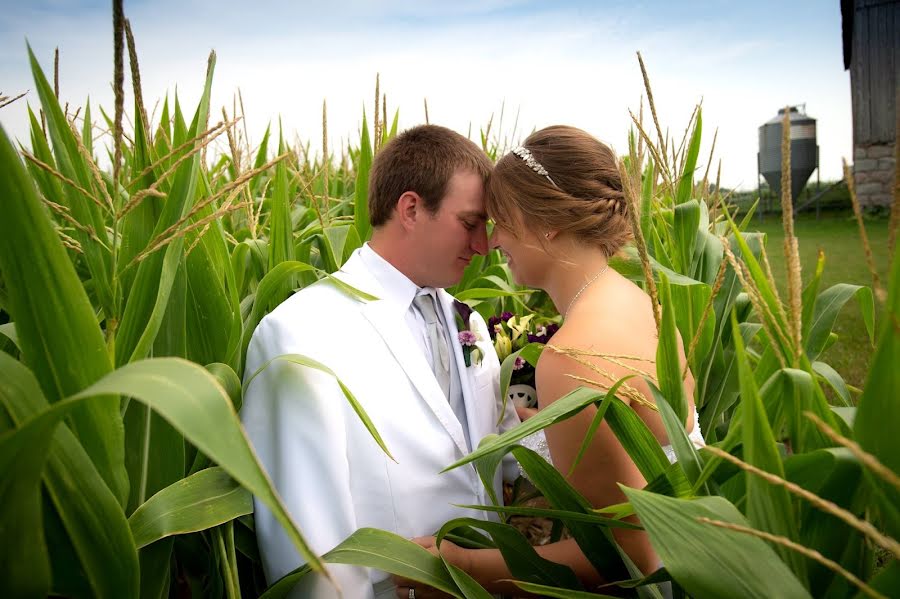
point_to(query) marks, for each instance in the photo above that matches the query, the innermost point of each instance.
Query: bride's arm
(606, 464)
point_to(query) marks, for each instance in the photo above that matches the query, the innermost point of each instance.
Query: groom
(400, 357)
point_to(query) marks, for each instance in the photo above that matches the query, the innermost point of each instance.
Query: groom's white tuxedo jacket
(329, 471)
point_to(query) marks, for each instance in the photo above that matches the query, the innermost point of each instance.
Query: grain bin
(804, 151)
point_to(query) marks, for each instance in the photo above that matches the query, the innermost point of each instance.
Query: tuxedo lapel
(388, 321)
(474, 408)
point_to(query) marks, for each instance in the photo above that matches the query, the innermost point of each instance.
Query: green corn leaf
(672, 483)
(154, 450)
(596, 543)
(765, 290)
(686, 182)
(211, 311)
(281, 236)
(486, 466)
(230, 382)
(835, 381)
(647, 197)
(642, 447)
(199, 502)
(393, 131)
(329, 261)
(58, 332)
(156, 453)
(472, 272)
(361, 187)
(146, 304)
(523, 561)
(49, 185)
(769, 507)
(156, 563)
(886, 581)
(688, 457)
(190, 399)
(693, 554)
(668, 364)
(559, 410)
(137, 226)
(834, 475)
(258, 181)
(381, 550)
(800, 394)
(688, 303)
(8, 330)
(467, 585)
(687, 221)
(708, 255)
(71, 163)
(562, 515)
(827, 306)
(596, 420)
(628, 264)
(810, 293)
(542, 590)
(342, 240)
(880, 404)
(23, 556)
(92, 553)
(748, 217)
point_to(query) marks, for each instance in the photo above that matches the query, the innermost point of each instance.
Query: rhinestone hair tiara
(529, 159)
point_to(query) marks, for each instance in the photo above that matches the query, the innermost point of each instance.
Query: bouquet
(510, 333)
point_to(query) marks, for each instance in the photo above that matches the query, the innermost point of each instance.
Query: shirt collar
(398, 288)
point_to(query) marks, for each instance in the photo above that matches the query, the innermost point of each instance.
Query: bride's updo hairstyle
(561, 179)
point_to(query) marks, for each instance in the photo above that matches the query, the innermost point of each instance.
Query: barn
(871, 36)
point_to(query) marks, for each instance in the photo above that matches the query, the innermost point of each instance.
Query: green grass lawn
(845, 262)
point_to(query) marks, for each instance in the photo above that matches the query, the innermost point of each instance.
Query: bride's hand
(451, 552)
(525, 413)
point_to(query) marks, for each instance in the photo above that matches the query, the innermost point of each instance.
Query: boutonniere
(467, 337)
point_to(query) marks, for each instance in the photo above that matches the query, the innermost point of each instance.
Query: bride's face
(527, 259)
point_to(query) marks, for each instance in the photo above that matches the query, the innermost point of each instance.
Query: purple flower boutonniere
(467, 337)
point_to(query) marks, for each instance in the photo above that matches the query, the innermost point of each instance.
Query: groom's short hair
(421, 159)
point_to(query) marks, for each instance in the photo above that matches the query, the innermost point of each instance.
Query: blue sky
(550, 62)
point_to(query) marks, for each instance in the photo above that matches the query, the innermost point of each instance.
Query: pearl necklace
(586, 285)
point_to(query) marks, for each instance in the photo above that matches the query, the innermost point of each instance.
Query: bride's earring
(547, 235)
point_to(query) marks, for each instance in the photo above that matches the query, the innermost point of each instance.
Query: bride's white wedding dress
(538, 443)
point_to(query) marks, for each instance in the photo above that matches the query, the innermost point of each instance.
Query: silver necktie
(440, 352)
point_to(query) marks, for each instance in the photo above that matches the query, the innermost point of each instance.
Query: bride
(560, 213)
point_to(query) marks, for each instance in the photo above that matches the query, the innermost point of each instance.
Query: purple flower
(537, 338)
(543, 334)
(467, 338)
(464, 312)
(493, 321)
(520, 363)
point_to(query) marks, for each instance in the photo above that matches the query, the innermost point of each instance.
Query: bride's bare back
(613, 317)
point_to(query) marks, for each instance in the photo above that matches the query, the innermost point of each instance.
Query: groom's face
(447, 239)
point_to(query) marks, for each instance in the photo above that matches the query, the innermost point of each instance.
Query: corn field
(128, 297)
